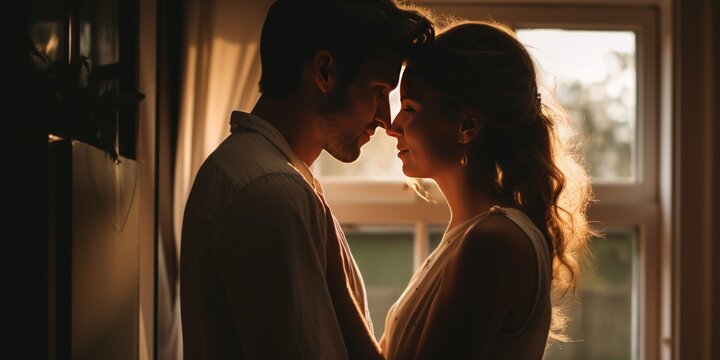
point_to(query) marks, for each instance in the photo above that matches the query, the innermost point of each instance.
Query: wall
(695, 174)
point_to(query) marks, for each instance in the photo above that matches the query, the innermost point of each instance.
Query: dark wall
(23, 230)
(27, 259)
(715, 336)
(697, 136)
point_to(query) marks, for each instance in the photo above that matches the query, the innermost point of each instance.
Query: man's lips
(370, 130)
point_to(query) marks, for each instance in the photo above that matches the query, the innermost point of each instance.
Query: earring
(464, 160)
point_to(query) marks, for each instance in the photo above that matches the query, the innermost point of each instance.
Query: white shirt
(253, 254)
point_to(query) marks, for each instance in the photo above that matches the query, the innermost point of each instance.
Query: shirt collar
(240, 120)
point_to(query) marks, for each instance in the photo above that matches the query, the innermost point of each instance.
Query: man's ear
(324, 71)
(470, 125)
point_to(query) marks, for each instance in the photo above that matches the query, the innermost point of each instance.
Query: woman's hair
(483, 65)
(355, 32)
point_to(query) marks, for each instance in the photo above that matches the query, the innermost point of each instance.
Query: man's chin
(346, 156)
(350, 151)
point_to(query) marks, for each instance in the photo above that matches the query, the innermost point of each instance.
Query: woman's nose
(394, 130)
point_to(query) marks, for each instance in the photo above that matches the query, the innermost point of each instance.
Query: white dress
(406, 318)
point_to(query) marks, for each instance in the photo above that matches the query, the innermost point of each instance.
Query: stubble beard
(342, 142)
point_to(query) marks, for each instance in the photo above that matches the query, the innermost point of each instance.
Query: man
(266, 271)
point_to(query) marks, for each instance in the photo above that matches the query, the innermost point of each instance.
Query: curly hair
(483, 65)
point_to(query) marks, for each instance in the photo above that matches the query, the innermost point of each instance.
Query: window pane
(378, 158)
(385, 258)
(601, 326)
(436, 235)
(594, 77)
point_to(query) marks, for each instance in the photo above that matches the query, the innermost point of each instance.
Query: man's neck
(297, 124)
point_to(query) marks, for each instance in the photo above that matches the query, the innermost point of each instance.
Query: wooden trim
(715, 131)
(692, 175)
(547, 3)
(644, 218)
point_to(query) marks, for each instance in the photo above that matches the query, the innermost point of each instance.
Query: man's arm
(272, 264)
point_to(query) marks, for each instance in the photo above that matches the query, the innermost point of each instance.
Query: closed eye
(409, 105)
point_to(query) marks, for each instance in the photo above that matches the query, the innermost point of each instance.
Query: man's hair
(355, 32)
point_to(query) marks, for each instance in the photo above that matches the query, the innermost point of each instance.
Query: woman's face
(426, 131)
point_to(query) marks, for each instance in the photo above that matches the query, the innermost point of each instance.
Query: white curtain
(221, 71)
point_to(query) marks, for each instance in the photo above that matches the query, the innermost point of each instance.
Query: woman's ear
(324, 71)
(470, 126)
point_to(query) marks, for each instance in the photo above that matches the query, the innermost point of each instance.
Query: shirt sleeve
(272, 262)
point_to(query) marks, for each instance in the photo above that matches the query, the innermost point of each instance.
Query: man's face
(356, 109)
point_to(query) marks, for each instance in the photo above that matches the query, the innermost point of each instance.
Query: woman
(473, 121)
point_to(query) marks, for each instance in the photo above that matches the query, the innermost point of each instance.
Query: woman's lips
(402, 152)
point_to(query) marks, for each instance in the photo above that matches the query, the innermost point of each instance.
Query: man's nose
(395, 129)
(382, 113)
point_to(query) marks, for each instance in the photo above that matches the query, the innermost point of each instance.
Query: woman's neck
(467, 195)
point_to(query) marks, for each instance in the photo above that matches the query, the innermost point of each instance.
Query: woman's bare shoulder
(496, 246)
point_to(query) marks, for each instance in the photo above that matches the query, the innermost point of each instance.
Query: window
(601, 65)
(385, 258)
(593, 75)
(604, 327)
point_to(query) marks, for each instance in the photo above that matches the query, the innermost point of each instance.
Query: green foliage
(606, 121)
